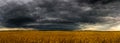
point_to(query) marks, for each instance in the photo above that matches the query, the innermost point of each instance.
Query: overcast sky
(89, 15)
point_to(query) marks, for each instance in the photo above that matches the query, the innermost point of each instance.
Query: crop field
(59, 37)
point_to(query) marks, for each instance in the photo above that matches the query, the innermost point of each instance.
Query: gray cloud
(59, 14)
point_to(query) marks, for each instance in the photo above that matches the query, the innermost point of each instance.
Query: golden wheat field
(59, 37)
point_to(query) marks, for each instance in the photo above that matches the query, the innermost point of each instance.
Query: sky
(99, 15)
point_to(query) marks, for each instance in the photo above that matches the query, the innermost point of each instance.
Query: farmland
(59, 37)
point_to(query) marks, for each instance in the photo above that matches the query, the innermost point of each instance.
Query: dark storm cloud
(58, 13)
(96, 1)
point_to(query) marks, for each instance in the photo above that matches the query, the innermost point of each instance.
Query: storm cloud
(60, 14)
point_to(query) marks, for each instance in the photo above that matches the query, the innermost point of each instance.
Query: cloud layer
(100, 15)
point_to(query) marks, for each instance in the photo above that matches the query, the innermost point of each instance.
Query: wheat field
(59, 37)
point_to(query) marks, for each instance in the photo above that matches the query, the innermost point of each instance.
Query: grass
(59, 37)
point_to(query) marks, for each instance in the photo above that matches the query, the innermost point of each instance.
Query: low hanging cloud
(101, 15)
